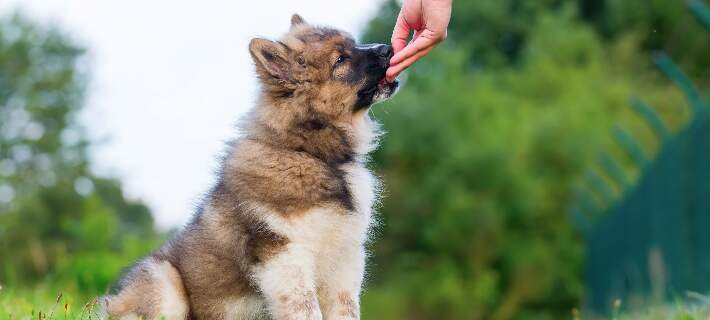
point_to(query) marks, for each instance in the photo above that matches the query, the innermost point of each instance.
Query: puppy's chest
(326, 226)
(362, 186)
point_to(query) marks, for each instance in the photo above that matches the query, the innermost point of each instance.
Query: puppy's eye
(341, 59)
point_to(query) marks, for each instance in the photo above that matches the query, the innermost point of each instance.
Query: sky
(168, 81)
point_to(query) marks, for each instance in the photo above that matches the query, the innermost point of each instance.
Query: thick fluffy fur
(282, 233)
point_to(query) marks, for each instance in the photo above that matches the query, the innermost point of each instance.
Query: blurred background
(550, 160)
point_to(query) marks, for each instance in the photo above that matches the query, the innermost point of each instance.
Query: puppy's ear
(271, 58)
(296, 20)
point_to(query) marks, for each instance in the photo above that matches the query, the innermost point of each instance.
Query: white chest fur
(328, 226)
(363, 187)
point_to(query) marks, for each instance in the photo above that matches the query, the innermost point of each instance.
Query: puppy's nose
(384, 51)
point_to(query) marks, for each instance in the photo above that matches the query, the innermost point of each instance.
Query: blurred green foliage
(58, 222)
(487, 141)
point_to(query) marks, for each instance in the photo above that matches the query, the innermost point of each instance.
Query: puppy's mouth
(381, 87)
(385, 90)
(376, 92)
(385, 85)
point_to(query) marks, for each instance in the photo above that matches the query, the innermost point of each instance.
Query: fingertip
(394, 71)
(397, 58)
(390, 74)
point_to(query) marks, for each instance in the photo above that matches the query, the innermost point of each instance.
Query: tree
(54, 211)
(481, 161)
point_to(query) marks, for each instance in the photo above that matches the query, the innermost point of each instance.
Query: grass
(678, 312)
(695, 307)
(46, 302)
(68, 303)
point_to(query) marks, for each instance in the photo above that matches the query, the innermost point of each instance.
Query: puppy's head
(317, 85)
(324, 66)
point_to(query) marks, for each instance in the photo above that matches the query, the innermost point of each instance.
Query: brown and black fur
(288, 159)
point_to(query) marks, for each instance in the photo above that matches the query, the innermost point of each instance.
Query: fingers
(422, 42)
(394, 70)
(400, 34)
(416, 35)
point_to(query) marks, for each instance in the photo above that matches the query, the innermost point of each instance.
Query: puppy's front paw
(345, 307)
(299, 306)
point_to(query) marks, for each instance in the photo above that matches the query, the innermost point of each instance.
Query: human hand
(429, 19)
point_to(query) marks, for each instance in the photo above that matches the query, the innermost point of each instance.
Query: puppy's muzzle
(382, 53)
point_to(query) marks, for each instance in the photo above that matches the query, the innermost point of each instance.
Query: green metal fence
(653, 242)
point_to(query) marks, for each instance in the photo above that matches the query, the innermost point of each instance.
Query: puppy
(281, 235)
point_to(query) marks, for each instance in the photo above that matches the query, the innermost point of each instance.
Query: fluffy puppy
(281, 235)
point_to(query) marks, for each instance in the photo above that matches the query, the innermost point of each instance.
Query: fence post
(701, 11)
(631, 146)
(681, 80)
(651, 117)
(615, 172)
